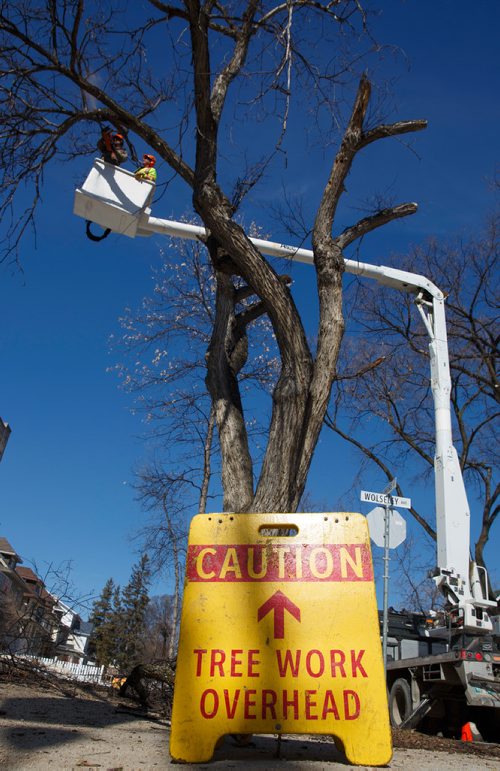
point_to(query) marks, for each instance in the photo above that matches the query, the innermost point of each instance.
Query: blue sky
(65, 478)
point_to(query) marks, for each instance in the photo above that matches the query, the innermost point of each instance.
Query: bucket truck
(444, 673)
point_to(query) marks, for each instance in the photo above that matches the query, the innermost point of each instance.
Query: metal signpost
(390, 486)
(388, 530)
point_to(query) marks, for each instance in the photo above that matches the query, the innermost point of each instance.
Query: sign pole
(388, 511)
(388, 489)
(387, 530)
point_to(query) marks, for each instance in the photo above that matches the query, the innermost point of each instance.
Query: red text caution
(277, 562)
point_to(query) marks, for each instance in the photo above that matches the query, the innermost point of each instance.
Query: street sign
(385, 500)
(397, 527)
(280, 634)
(390, 486)
(400, 503)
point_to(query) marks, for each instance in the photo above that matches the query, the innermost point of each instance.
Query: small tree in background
(159, 628)
(130, 619)
(119, 620)
(102, 646)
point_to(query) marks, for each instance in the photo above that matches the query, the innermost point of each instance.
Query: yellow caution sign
(280, 634)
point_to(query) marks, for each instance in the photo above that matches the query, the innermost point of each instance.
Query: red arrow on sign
(278, 603)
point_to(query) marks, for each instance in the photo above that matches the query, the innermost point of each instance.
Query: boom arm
(112, 198)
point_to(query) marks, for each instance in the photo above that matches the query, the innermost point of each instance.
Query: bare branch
(227, 75)
(340, 169)
(373, 456)
(391, 130)
(368, 224)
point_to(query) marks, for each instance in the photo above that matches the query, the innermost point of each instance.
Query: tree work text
(291, 703)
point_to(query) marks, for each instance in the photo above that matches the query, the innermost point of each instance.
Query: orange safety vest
(146, 172)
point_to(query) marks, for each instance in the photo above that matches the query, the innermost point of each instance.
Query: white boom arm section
(113, 198)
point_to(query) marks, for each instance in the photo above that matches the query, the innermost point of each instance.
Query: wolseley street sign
(280, 634)
(386, 500)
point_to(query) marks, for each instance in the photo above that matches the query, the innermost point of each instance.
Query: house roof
(28, 575)
(6, 548)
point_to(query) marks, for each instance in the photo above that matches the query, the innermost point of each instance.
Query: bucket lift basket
(113, 198)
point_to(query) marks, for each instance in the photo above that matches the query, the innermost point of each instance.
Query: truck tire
(399, 702)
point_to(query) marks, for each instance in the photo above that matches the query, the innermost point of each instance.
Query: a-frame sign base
(280, 635)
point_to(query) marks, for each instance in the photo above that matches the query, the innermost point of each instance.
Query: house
(37, 622)
(12, 589)
(72, 636)
(8, 556)
(32, 620)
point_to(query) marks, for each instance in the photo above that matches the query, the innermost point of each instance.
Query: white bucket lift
(113, 198)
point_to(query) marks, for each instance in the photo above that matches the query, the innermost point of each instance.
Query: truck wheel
(399, 702)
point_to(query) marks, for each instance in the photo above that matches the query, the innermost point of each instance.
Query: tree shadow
(267, 747)
(34, 723)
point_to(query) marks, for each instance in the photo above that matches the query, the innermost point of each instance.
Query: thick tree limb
(368, 224)
(229, 72)
(391, 130)
(225, 357)
(340, 169)
(329, 264)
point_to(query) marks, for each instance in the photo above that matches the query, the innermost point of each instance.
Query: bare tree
(395, 395)
(72, 64)
(161, 630)
(419, 592)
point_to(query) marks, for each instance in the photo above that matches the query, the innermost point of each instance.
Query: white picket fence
(84, 673)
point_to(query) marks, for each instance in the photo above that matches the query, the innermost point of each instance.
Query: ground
(49, 724)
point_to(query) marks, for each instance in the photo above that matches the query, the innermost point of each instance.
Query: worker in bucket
(112, 147)
(147, 170)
